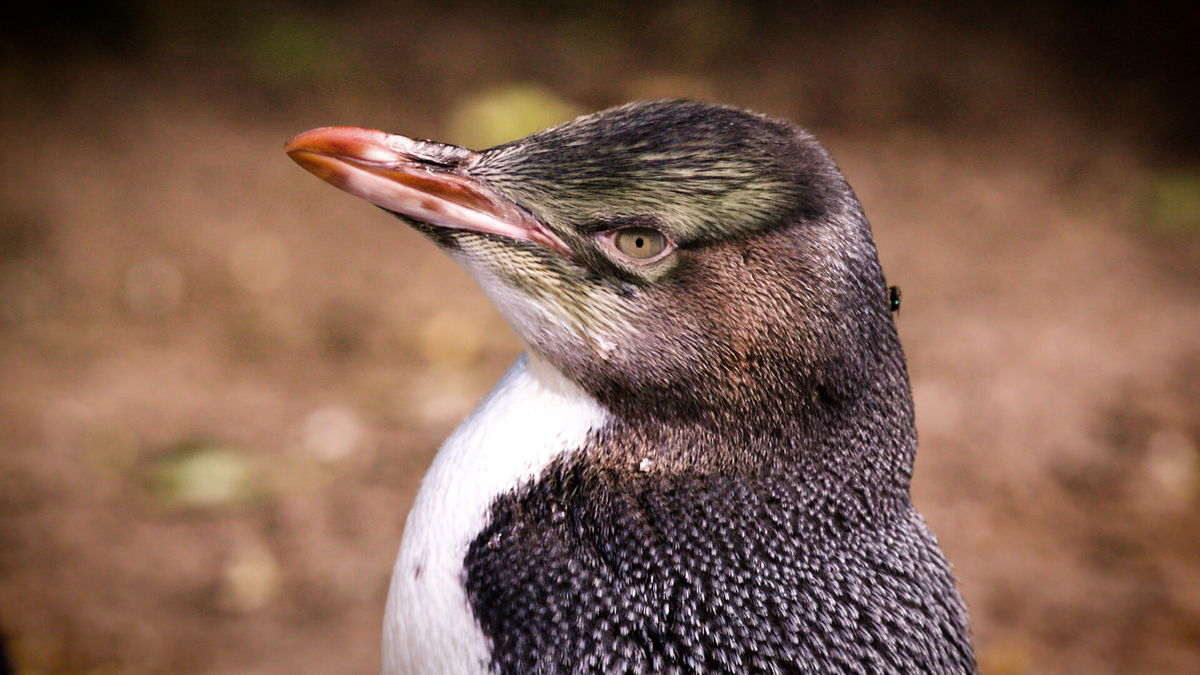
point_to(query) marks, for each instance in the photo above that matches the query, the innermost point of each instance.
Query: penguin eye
(638, 243)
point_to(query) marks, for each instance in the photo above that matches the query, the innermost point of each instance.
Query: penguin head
(672, 257)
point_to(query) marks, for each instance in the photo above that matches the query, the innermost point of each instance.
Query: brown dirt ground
(169, 282)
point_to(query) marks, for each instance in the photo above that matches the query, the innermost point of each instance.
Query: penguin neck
(836, 473)
(851, 423)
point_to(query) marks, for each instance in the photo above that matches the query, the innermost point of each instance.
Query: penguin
(701, 462)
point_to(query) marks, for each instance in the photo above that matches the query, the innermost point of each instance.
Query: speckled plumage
(740, 504)
(594, 571)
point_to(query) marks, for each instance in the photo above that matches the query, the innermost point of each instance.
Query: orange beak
(421, 180)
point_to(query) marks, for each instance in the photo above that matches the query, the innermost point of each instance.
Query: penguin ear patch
(637, 244)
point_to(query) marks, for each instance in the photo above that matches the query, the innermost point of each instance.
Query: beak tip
(358, 144)
(310, 140)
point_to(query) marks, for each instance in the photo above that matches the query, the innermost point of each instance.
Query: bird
(701, 461)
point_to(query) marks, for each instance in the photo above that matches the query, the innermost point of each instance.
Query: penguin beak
(420, 180)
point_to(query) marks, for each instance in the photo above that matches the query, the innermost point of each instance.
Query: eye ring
(638, 244)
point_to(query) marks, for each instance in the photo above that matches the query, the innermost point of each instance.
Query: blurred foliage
(1174, 203)
(1127, 61)
(199, 474)
(294, 48)
(1006, 657)
(507, 113)
(250, 578)
(702, 30)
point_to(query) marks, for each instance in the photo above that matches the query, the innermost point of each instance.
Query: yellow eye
(639, 243)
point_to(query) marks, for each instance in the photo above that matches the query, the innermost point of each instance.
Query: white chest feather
(532, 416)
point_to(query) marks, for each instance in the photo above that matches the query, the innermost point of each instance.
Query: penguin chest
(533, 416)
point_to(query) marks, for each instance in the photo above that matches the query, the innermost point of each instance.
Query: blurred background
(221, 379)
